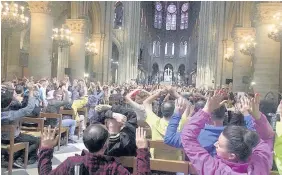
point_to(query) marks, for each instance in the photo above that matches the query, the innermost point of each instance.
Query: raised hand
(180, 105)
(48, 139)
(120, 118)
(254, 107)
(100, 108)
(213, 102)
(141, 141)
(243, 106)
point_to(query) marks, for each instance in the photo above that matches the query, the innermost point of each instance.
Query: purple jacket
(259, 163)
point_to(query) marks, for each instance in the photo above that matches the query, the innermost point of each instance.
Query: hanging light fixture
(62, 37)
(90, 48)
(275, 30)
(12, 16)
(248, 46)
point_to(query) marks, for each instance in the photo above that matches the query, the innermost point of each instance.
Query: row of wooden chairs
(36, 131)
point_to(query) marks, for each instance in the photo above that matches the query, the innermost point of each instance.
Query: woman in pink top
(239, 151)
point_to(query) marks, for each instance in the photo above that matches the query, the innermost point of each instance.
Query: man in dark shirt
(94, 162)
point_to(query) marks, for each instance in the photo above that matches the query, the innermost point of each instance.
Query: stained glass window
(185, 48)
(156, 48)
(118, 15)
(166, 45)
(158, 15)
(172, 49)
(184, 16)
(171, 17)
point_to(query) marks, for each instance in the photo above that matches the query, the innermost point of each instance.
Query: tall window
(156, 48)
(172, 49)
(171, 17)
(183, 48)
(118, 15)
(184, 16)
(158, 19)
(166, 45)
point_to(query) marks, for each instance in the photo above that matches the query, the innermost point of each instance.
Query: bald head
(95, 137)
(168, 108)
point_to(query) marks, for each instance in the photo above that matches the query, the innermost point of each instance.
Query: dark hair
(219, 113)
(241, 141)
(267, 108)
(199, 105)
(19, 89)
(167, 108)
(236, 119)
(95, 137)
(6, 97)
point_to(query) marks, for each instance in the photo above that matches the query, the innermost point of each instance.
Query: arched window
(171, 17)
(118, 15)
(158, 19)
(185, 48)
(172, 49)
(156, 48)
(184, 16)
(166, 45)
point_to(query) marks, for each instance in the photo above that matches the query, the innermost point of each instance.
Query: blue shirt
(207, 137)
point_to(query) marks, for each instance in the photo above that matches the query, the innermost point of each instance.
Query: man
(159, 125)
(93, 161)
(12, 117)
(121, 124)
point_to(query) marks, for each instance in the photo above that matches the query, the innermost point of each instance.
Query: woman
(238, 149)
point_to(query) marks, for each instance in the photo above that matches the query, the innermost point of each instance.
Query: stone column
(227, 69)
(40, 52)
(98, 39)
(63, 56)
(13, 62)
(77, 50)
(241, 63)
(267, 53)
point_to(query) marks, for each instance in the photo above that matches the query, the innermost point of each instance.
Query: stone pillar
(227, 69)
(97, 67)
(40, 52)
(267, 52)
(77, 50)
(241, 63)
(13, 57)
(63, 56)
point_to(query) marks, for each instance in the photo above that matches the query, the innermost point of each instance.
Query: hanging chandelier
(90, 48)
(12, 17)
(62, 37)
(275, 30)
(248, 46)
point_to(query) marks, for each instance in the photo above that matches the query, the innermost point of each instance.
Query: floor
(59, 156)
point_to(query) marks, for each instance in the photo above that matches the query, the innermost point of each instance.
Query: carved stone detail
(39, 7)
(266, 11)
(240, 32)
(76, 25)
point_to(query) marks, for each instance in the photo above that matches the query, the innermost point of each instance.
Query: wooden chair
(14, 147)
(60, 129)
(34, 131)
(71, 112)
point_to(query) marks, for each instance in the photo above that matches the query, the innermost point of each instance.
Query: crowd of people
(220, 131)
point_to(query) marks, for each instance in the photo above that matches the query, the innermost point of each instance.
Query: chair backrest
(54, 116)
(38, 121)
(11, 130)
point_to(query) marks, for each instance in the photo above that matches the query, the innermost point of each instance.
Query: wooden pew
(160, 164)
(14, 147)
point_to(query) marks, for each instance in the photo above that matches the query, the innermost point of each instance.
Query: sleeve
(278, 147)
(202, 161)
(14, 115)
(249, 122)
(45, 164)
(262, 155)
(143, 162)
(172, 137)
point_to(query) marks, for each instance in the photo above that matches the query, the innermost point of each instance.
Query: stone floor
(59, 156)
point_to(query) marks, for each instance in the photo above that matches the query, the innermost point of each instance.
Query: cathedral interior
(205, 44)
